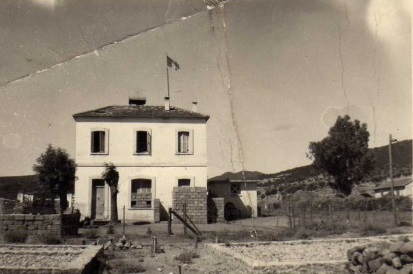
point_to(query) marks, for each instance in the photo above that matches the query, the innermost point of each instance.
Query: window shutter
(149, 141)
(92, 141)
(102, 141)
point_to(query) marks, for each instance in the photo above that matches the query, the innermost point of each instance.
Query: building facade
(154, 149)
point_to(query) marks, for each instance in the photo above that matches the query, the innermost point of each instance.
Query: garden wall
(54, 224)
(196, 203)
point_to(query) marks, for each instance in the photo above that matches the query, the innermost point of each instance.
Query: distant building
(155, 148)
(402, 187)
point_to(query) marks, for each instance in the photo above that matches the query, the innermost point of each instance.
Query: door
(98, 199)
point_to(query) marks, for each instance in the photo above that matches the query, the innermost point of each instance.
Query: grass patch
(121, 266)
(91, 233)
(187, 256)
(50, 239)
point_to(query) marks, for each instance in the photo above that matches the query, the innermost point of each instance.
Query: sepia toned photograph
(206, 136)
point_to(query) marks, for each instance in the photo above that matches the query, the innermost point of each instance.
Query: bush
(15, 236)
(110, 229)
(50, 239)
(187, 256)
(371, 229)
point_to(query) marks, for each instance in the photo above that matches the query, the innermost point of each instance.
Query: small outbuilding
(239, 193)
(402, 187)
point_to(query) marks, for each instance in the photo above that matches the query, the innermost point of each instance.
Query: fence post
(185, 232)
(123, 220)
(311, 212)
(170, 221)
(290, 221)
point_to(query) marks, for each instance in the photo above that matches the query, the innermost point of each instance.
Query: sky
(272, 74)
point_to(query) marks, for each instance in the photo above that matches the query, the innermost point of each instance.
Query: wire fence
(313, 212)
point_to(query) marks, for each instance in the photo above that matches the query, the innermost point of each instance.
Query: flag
(171, 63)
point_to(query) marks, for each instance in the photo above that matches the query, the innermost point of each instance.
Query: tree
(56, 173)
(111, 177)
(344, 154)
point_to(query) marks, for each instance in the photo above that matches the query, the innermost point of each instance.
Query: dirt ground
(204, 260)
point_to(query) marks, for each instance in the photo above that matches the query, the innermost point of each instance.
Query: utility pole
(393, 205)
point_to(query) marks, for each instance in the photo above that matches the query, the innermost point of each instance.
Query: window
(143, 142)
(184, 182)
(99, 141)
(141, 193)
(184, 142)
(235, 188)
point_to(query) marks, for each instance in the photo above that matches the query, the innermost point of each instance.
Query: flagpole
(167, 74)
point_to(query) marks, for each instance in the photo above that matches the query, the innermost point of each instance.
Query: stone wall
(196, 203)
(53, 224)
(216, 207)
(387, 258)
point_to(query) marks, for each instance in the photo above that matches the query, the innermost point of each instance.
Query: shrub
(50, 239)
(15, 236)
(110, 229)
(187, 256)
(371, 229)
(91, 233)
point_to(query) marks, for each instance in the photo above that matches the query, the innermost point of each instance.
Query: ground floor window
(141, 193)
(235, 188)
(184, 182)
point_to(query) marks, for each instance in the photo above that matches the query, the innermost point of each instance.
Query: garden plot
(46, 259)
(295, 256)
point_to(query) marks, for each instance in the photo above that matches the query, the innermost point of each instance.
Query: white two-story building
(154, 149)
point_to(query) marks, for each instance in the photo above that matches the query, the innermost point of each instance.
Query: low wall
(54, 224)
(196, 203)
(216, 209)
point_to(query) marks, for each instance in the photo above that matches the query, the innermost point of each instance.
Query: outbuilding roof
(246, 176)
(397, 183)
(141, 111)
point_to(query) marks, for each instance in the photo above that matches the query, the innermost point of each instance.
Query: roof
(246, 176)
(141, 111)
(397, 183)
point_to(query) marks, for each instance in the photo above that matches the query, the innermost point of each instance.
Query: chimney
(194, 106)
(167, 106)
(134, 101)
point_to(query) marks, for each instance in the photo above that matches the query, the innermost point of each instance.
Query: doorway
(98, 199)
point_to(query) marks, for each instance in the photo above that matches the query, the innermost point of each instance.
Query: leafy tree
(56, 173)
(344, 154)
(111, 177)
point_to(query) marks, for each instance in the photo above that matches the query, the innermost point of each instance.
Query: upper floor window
(184, 182)
(143, 142)
(99, 143)
(185, 144)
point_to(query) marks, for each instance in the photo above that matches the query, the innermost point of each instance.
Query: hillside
(402, 165)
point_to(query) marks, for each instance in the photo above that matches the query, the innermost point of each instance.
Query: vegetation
(344, 154)
(15, 236)
(309, 178)
(91, 233)
(111, 177)
(187, 256)
(56, 173)
(50, 239)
